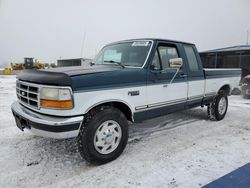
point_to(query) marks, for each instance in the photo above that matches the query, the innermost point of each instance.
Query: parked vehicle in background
(131, 80)
(229, 57)
(245, 86)
(29, 63)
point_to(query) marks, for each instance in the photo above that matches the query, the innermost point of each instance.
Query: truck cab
(185, 90)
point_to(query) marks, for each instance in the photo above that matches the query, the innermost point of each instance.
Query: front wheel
(218, 108)
(103, 135)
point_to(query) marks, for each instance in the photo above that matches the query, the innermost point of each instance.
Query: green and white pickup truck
(130, 80)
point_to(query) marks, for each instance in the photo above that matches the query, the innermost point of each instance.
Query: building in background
(230, 57)
(72, 62)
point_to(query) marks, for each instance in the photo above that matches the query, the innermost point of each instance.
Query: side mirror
(175, 63)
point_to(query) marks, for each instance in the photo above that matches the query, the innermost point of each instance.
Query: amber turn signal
(56, 104)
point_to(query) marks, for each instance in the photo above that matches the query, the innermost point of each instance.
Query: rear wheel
(103, 135)
(218, 108)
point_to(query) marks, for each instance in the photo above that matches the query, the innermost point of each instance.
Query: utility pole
(247, 36)
(0, 6)
(83, 41)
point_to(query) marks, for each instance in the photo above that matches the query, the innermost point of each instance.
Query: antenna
(83, 41)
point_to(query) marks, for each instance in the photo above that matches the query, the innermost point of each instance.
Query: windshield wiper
(118, 63)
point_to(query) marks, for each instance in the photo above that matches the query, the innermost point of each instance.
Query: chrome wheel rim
(222, 106)
(107, 137)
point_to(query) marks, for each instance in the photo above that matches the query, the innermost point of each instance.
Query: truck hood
(62, 76)
(80, 70)
(86, 78)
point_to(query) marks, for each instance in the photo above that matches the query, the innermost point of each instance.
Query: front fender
(89, 100)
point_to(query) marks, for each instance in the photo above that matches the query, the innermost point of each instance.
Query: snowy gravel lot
(179, 150)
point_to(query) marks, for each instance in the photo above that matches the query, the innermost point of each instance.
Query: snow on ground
(179, 150)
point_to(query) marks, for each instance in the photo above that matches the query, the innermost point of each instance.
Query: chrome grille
(27, 93)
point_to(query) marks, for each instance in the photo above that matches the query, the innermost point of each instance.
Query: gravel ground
(178, 150)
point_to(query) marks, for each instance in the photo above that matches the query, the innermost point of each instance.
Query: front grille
(27, 94)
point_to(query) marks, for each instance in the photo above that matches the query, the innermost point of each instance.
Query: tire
(103, 135)
(218, 108)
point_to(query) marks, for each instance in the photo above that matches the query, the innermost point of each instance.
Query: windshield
(126, 54)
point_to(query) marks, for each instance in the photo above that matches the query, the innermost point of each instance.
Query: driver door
(163, 97)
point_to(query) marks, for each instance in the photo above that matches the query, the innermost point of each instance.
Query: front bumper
(46, 125)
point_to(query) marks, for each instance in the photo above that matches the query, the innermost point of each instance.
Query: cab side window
(162, 57)
(191, 57)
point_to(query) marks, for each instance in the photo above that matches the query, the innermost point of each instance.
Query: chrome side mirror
(175, 63)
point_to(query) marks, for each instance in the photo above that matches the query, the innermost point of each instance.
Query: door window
(162, 57)
(156, 65)
(166, 53)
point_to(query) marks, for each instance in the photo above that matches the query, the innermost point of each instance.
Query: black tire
(92, 122)
(213, 109)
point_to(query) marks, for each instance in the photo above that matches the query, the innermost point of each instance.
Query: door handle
(165, 85)
(183, 75)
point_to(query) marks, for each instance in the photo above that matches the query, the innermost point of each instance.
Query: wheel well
(225, 89)
(119, 105)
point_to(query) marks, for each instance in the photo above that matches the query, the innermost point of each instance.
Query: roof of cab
(153, 39)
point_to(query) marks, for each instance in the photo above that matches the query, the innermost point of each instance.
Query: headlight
(56, 98)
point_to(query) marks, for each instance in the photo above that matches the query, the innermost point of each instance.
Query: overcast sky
(53, 29)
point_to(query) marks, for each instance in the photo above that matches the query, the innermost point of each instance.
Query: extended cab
(129, 80)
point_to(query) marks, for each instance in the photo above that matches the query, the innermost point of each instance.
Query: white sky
(50, 29)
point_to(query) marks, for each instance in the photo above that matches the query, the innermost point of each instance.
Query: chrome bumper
(46, 125)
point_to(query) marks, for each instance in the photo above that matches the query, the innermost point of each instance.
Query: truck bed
(215, 78)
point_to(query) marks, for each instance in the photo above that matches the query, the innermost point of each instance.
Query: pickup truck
(130, 80)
